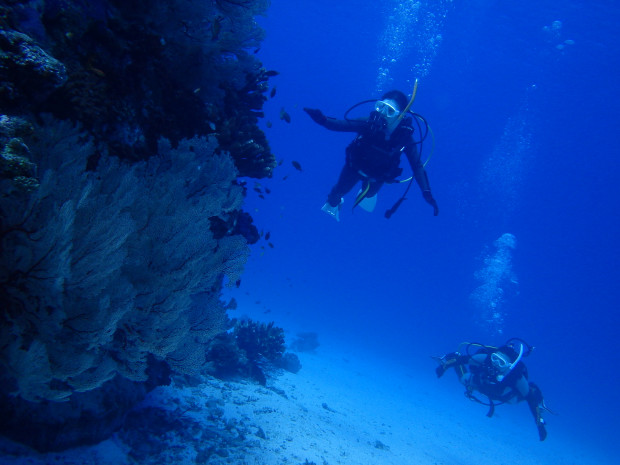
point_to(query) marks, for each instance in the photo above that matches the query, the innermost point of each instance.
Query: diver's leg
(373, 189)
(534, 400)
(348, 178)
(464, 377)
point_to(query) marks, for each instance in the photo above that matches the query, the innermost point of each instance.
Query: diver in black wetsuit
(499, 374)
(374, 155)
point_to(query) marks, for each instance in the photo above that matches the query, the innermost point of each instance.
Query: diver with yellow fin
(497, 373)
(373, 157)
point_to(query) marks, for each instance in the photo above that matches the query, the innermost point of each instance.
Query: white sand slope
(341, 408)
(346, 409)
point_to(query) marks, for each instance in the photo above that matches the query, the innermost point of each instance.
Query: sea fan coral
(101, 269)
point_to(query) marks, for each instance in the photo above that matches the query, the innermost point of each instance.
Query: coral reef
(101, 271)
(27, 72)
(138, 71)
(132, 72)
(15, 161)
(125, 126)
(203, 424)
(259, 339)
(251, 349)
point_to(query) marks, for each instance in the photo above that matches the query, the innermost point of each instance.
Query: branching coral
(249, 350)
(260, 340)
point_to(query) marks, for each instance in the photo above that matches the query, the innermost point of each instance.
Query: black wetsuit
(373, 159)
(476, 373)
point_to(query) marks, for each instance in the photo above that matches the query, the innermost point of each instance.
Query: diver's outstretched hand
(445, 362)
(431, 201)
(316, 115)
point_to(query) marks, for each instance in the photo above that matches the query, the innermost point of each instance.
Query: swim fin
(334, 212)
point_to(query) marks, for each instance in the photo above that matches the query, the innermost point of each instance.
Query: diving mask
(387, 108)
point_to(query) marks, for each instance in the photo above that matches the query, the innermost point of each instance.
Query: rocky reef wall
(124, 127)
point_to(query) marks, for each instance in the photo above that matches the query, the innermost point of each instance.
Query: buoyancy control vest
(486, 378)
(376, 157)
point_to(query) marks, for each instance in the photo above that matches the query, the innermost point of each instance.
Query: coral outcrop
(251, 349)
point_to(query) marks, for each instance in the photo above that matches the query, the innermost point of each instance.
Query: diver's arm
(478, 359)
(452, 360)
(419, 173)
(334, 124)
(522, 387)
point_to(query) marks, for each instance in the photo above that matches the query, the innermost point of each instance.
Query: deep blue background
(526, 143)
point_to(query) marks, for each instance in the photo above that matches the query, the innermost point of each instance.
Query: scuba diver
(499, 374)
(373, 157)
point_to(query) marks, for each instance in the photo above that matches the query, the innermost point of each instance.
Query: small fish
(268, 124)
(267, 311)
(261, 196)
(267, 236)
(270, 244)
(257, 189)
(280, 162)
(267, 190)
(296, 165)
(271, 73)
(272, 94)
(285, 116)
(284, 178)
(238, 283)
(100, 73)
(216, 27)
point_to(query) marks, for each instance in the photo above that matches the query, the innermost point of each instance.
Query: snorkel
(397, 121)
(500, 377)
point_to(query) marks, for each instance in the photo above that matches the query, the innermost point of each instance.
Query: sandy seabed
(341, 408)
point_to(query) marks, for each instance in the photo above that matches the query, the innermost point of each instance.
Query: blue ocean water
(522, 99)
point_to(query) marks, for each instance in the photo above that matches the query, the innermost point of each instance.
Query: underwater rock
(27, 73)
(289, 362)
(15, 163)
(305, 342)
(87, 418)
(174, 426)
